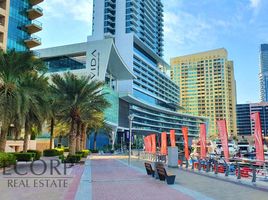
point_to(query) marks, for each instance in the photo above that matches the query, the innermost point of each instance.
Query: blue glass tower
(264, 72)
(22, 24)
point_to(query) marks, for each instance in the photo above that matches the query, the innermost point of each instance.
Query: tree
(76, 95)
(34, 103)
(13, 66)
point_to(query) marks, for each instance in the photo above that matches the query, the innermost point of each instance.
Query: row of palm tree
(28, 99)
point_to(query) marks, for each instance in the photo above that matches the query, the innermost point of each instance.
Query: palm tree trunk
(51, 132)
(83, 136)
(78, 136)
(95, 140)
(72, 142)
(26, 136)
(3, 139)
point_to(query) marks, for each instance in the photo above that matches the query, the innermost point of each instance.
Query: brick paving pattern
(112, 180)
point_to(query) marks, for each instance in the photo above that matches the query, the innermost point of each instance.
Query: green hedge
(84, 153)
(7, 159)
(51, 153)
(60, 151)
(73, 158)
(38, 154)
(24, 156)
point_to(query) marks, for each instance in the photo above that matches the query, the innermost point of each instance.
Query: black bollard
(216, 166)
(253, 174)
(199, 165)
(208, 167)
(186, 163)
(227, 170)
(192, 164)
(238, 171)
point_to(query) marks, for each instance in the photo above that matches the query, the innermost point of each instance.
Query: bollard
(216, 166)
(208, 167)
(199, 165)
(238, 171)
(187, 163)
(192, 164)
(181, 160)
(227, 170)
(253, 174)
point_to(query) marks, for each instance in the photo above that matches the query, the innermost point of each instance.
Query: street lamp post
(130, 118)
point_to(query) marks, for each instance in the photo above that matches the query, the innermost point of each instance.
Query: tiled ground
(112, 180)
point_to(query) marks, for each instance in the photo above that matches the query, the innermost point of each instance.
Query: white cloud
(184, 31)
(80, 10)
(255, 3)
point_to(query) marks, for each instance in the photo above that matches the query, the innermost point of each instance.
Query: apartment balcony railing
(35, 12)
(34, 26)
(33, 41)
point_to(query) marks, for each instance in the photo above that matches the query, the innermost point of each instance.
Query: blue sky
(191, 26)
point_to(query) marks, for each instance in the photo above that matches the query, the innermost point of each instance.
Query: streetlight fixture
(130, 118)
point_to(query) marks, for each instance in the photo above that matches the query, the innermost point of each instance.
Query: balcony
(35, 2)
(34, 26)
(35, 12)
(33, 41)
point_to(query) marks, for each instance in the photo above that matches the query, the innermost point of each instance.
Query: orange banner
(164, 143)
(172, 138)
(185, 137)
(148, 144)
(203, 140)
(153, 139)
(258, 137)
(224, 138)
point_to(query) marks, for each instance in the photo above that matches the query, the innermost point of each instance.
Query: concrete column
(173, 156)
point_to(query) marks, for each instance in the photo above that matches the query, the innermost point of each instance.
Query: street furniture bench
(163, 175)
(149, 169)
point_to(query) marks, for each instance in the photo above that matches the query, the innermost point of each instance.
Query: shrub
(94, 151)
(7, 159)
(84, 153)
(51, 152)
(60, 151)
(24, 156)
(73, 158)
(38, 154)
(66, 149)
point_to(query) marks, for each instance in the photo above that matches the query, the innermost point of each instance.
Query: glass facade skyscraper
(19, 24)
(137, 30)
(264, 72)
(244, 124)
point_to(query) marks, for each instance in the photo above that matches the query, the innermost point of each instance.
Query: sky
(191, 26)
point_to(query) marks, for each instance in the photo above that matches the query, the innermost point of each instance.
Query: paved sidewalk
(189, 182)
(113, 180)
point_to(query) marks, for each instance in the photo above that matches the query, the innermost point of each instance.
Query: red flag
(172, 138)
(203, 140)
(258, 137)
(164, 143)
(224, 138)
(149, 144)
(146, 143)
(185, 136)
(153, 139)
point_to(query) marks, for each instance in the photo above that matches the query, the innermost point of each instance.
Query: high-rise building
(245, 126)
(264, 72)
(137, 30)
(207, 87)
(18, 24)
